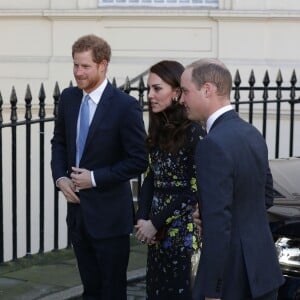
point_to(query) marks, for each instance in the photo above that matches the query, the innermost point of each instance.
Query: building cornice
(159, 12)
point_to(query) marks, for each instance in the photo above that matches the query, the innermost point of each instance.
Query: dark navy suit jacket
(238, 259)
(114, 150)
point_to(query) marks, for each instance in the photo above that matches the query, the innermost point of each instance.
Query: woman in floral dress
(169, 194)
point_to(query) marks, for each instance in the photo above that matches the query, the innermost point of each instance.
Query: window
(166, 3)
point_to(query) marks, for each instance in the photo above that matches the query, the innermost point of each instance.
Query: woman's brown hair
(167, 128)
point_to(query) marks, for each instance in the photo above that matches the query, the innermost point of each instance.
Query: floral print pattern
(169, 264)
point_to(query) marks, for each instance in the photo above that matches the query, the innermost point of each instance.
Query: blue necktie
(83, 127)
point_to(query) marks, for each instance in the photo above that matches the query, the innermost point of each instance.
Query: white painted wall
(36, 38)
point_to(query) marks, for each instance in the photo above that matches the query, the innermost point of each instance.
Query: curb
(136, 275)
(76, 291)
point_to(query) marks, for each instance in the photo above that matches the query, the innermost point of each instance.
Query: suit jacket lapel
(73, 110)
(101, 111)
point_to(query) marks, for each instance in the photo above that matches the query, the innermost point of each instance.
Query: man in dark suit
(97, 147)
(238, 259)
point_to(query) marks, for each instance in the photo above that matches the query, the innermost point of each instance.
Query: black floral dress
(168, 197)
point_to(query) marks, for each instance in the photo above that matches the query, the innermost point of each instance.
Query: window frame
(159, 3)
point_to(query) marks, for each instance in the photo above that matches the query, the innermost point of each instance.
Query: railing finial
(28, 100)
(13, 102)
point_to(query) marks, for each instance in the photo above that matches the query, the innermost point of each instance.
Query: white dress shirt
(95, 99)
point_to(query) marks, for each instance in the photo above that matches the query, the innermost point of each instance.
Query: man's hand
(81, 178)
(197, 220)
(68, 188)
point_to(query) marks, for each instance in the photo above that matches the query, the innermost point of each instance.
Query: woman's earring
(175, 99)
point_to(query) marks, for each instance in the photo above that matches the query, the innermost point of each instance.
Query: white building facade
(36, 36)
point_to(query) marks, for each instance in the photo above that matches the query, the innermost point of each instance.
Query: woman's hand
(145, 231)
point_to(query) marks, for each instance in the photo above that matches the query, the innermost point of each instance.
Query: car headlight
(288, 250)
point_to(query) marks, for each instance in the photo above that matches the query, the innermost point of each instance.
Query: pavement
(54, 276)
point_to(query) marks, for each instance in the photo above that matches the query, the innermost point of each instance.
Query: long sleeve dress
(168, 197)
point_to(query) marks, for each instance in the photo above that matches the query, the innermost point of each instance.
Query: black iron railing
(261, 105)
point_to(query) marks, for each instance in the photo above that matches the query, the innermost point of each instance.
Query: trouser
(102, 263)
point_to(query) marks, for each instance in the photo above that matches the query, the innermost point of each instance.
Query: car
(284, 218)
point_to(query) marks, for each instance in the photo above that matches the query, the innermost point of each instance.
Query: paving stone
(48, 274)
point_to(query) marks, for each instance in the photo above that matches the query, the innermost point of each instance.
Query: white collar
(212, 118)
(97, 93)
